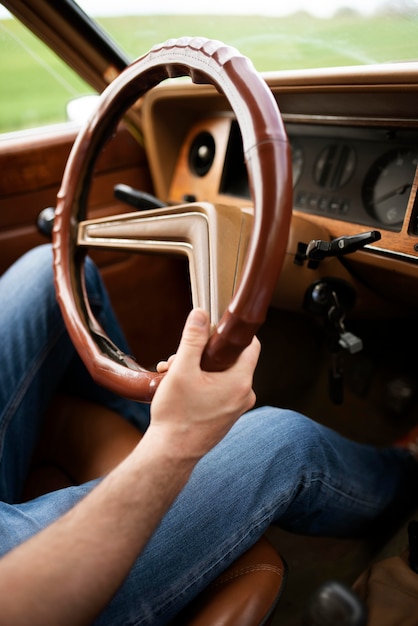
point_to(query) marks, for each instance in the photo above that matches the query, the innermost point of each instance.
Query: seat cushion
(245, 594)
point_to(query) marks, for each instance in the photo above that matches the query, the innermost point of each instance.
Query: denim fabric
(38, 358)
(274, 466)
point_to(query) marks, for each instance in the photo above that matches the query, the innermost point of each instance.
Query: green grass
(36, 85)
(296, 41)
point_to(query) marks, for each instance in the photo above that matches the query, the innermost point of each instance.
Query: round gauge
(388, 184)
(297, 160)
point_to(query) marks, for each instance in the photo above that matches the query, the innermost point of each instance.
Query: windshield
(276, 36)
(39, 88)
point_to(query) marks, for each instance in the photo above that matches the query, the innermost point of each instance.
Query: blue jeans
(275, 466)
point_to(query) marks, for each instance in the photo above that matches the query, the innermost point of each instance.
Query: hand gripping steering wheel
(213, 237)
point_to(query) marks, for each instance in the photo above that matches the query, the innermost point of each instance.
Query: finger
(162, 367)
(248, 359)
(194, 338)
(252, 352)
(170, 360)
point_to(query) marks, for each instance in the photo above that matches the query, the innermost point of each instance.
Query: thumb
(194, 338)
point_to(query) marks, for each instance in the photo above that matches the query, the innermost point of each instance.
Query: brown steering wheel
(187, 229)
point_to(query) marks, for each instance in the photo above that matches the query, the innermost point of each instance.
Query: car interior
(330, 220)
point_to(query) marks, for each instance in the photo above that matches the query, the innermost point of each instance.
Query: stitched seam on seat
(247, 570)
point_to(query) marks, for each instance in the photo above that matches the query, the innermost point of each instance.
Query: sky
(320, 8)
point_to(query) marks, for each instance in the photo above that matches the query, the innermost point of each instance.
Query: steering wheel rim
(267, 153)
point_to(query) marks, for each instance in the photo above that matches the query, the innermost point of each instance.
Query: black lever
(317, 249)
(335, 604)
(138, 199)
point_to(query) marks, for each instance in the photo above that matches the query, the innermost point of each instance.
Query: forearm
(68, 573)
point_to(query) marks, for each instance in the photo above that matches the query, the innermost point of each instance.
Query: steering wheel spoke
(214, 238)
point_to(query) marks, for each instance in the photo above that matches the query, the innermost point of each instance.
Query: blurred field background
(36, 85)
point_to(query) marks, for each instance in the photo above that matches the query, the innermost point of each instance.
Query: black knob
(45, 221)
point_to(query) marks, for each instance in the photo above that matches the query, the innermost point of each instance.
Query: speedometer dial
(388, 184)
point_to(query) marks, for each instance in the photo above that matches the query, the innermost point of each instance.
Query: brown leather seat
(246, 594)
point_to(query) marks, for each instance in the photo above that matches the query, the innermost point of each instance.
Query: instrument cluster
(361, 175)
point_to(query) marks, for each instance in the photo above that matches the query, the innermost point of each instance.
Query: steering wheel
(213, 237)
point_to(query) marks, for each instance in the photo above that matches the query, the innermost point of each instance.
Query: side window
(36, 85)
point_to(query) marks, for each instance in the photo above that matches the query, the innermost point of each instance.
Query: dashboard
(357, 175)
(354, 141)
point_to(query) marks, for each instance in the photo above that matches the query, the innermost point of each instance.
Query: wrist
(167, 447)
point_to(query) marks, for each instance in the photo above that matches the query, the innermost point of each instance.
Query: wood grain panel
(32, 165)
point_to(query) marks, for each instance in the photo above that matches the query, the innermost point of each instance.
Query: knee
(293, 439)
(276, 421)
(287, 432)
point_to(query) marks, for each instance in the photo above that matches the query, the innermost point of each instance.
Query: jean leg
(37, 355)
(19, 522)
(35, 352)
(274, 466)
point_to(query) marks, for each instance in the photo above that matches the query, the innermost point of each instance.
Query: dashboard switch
(317, 249)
